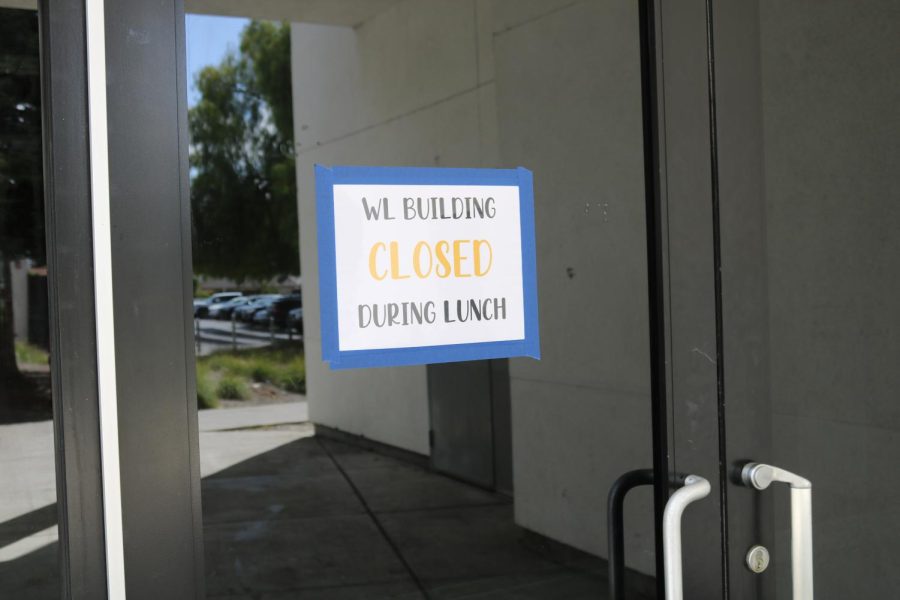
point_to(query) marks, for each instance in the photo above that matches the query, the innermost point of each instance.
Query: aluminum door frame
(118, 226)
(692, 322)
(712, 140)
(70, 264)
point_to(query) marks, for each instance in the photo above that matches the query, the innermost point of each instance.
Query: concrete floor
(28, 549)
(288, 514)
(316, 518)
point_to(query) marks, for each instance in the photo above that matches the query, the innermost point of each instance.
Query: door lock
(758, 559)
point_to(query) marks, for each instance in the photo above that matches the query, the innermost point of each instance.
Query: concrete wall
(553, 86)
(568, 97)
(406, 87)
(18, 270)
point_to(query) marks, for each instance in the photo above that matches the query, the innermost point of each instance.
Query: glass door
(823, 250)
(784, 267)
(534, 479)
(487, 479)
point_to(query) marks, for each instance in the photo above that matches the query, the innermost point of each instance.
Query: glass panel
(830, 91)
(29, 565)
(483, 479)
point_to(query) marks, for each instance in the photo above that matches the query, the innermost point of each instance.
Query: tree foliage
(243, 185)
(21, 177)
(21, 169)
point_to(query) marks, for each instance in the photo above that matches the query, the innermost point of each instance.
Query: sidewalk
(309, 517)
(288, 515)
(223, 419)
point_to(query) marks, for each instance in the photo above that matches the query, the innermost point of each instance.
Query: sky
(208, 39)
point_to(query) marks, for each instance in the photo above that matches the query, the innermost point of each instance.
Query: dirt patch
(263, 393)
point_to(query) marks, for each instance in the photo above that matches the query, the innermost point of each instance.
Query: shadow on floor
(318, 519)
(26, 398)
(35, 574)
(321, 519)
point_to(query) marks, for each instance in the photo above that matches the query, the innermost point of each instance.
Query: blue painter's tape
(328, 177)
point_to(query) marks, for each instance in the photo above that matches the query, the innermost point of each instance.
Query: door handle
(760, 477)
(695, 488)
(615, 508)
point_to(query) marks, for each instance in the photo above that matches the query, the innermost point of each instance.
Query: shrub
(228, 363)
(232, 388)
(282, 366)
(30, 355)
(262, 371)
(206, 393)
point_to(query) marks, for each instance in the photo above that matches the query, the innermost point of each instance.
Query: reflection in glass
(483, 479)
(28, 516)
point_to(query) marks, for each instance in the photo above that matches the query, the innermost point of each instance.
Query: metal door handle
(615, 508)
(760, 477)
(695, 488)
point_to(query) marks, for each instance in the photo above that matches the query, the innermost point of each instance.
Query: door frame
(70, 266)
(714, 227)
(120, 285)
(693, 353)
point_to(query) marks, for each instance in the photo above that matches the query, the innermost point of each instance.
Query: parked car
(280, 308)
(245, 313)
(223, 310)
(261, 317)
(226, 309)
(295, 320)
(202, 305)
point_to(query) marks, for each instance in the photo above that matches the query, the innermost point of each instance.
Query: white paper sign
(425, 265)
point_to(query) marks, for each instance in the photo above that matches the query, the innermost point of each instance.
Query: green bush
(282, 366)
(30, 355)
(262, 371)
(227, 362)
(206, 392)
(232, 388)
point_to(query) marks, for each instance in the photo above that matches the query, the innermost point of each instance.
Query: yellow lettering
(417, 260)
(395, 263)
(372, 260)
(477, 244)
(440, 250)
(458, 258)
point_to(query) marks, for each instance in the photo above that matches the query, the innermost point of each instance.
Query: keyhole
(757, 559)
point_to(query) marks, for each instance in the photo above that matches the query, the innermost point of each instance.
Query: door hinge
(431, 438)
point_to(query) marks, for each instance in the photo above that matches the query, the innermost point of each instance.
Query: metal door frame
(70, 263)
(119, 261)
(713, 227)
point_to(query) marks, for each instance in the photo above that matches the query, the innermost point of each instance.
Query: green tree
(243, 184)
(21, 178)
